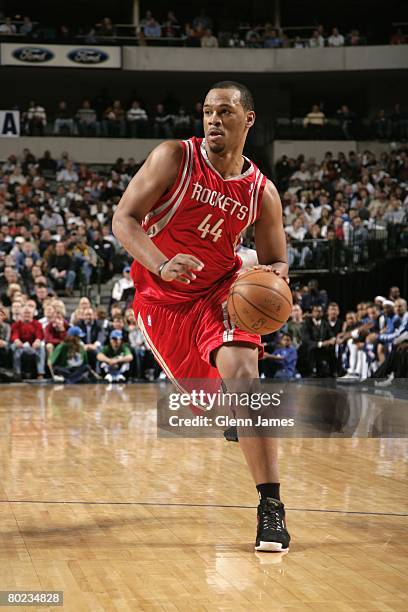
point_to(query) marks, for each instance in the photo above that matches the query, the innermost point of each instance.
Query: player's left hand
(271, 268)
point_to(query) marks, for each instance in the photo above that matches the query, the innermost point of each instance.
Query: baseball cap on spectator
(75, 331)
(19, 240)
(388, 303)
(116, 334)
(380, 299)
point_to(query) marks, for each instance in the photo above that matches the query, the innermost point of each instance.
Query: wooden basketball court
(95, 505)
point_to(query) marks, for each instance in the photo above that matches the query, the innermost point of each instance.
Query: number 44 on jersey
(215, 231)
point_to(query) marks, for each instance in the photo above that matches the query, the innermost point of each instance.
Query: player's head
(228, 115)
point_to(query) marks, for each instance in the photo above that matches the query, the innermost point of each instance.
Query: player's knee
(244, 370)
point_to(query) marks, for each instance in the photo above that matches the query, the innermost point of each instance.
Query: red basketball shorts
(183, 336)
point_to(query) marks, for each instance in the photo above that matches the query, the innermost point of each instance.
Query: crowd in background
(345, 210)
(56, 238)
(370, 341)
(103, 116)
(111, 118)
(385, 124)
(198, 32)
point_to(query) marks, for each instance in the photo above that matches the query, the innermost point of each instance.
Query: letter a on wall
(9, 124)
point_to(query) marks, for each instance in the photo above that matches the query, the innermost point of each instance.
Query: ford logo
(33, 55)
(88, 56)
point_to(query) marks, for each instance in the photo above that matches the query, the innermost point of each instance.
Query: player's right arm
(154, 179)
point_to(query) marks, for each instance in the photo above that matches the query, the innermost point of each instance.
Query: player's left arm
(270, 239)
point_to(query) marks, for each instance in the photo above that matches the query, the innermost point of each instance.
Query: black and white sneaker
(272, 535)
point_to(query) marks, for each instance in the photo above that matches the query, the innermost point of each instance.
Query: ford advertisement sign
(60, 56)
(33, 55)
(88, 56)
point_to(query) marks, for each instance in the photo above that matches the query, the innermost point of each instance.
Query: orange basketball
(259, 302)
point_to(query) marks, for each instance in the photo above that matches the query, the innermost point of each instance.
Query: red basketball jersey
(203, 215)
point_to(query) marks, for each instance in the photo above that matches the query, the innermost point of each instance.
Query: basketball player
(181, 218)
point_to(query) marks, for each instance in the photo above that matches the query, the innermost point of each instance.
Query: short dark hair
(247, 100)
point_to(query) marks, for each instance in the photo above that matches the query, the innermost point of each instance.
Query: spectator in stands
(5, 331)
(358, 239)
(271, 38)
(64, 120)
(152, 28)
(314, 296)
(315, 119)
(285, 358)
(55, 331)
(354, 38)
(319, 344)
(61, 271)
(294, 325)
(182, 124)
(87, 121)
(316, 40)
(253, 38)
(399, 123)
(7, 28)
(137, 120)
(298, 256)
(79, 313)
(69, 360)
(94, 334)
(114, 358)
(105, 251)
(48, 312)
(47, 164)
(162, 123)
(171, 26)
(84, 258)
(296, 230)
(346, 118)
(336, 39)
(16, 177)
(35, 119)
(381, 124)
(68, 174)
(361, 350)
(123, 289)
(27, 338)
(27, 250)
(114, 120)
(298, 43)
(208, 40)
(50, 219)
(40, 295)
(106, 27)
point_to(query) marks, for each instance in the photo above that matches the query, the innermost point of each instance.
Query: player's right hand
(180, 268)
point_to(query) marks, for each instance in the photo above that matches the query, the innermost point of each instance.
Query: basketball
(259, 302)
